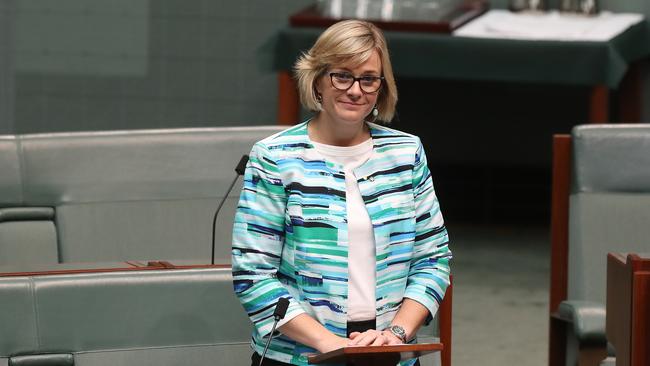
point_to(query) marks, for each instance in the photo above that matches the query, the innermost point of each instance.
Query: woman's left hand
(373, 337)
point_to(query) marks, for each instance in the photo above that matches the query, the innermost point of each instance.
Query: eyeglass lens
(343, 81)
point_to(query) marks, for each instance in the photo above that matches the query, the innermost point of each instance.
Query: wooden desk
(628, 308)
(376, 356)
(99, 267)
(603, 66)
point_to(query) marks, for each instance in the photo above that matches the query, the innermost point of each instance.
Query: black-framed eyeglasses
(344, 81)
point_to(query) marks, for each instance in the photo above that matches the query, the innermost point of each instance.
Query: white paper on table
(549, 26)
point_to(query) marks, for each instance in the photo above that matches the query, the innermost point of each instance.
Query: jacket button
(372, 179)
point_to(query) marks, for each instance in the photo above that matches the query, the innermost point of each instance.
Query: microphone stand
(239, 169)
(279, 313)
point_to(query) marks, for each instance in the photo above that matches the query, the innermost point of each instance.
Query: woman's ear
(317, 87)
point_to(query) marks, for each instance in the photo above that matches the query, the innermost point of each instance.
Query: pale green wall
(143, 63)
(6, 70)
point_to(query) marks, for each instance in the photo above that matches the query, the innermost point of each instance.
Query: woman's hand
(373, 337)
(332, 343)
(306, 330)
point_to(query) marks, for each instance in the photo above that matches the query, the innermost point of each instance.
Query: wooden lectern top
(376, 355)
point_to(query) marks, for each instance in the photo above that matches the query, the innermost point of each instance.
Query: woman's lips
(350, 103)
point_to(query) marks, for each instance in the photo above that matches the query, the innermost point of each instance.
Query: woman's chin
(349, 116)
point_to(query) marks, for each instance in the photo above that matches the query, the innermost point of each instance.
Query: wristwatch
(398, 331)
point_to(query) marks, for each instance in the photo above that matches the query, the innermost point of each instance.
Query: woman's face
(354, 104)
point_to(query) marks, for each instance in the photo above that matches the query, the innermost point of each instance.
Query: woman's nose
(355, 89)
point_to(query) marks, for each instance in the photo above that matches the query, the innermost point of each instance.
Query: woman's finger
(365, 338)
(379, 341)
(360, 339)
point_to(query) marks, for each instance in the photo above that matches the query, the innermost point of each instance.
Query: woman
(338, 214)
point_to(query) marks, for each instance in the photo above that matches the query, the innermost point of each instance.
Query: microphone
(239, 169)
(279, 313)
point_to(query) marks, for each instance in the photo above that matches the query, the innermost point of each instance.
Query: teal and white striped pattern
(290, 234)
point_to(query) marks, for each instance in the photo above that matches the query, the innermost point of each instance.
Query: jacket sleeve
(428, 276)
(258, 238)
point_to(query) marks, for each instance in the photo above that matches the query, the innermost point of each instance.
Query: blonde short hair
(347, 42)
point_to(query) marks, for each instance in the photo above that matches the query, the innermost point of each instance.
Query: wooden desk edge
(421, 347)
(128, 268)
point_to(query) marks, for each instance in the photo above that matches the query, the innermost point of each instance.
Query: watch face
(399, 331)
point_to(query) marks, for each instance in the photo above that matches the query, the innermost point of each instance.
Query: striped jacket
(290, 234)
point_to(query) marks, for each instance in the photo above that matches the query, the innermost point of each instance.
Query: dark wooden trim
(134, 263)
(590, 356)
(561, 184)
(444, 323)
(599, 104)
(628, 300)
(630, 95)
(618, 316)
(641, 319)
(466, 11)
(127, 268)
(639, 269)
(557, 341)
(288, 100)
(377, 355)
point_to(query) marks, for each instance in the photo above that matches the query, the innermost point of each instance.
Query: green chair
(600, 204)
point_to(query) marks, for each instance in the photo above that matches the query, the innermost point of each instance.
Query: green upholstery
(53, 359)
(588, 319)
(609, 211)
(141, 230)
(611, 158)
(10, 184)
(27, 235)
(221, 354)
(17, 317)
(609, 204)
(26, 214)
(126, 317)
(599, 223)
(27, 242)
(122, 195)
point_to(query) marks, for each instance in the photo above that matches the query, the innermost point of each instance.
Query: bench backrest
(609, 203)
(118, 316)
(119, 195)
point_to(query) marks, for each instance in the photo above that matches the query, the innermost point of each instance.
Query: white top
(361, 252)
(552, 26)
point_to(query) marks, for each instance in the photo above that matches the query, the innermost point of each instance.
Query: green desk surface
(441, 56)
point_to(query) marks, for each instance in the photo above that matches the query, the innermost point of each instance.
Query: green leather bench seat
(120, 195)
(161, 317)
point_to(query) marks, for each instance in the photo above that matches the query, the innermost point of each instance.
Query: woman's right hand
(332, 343)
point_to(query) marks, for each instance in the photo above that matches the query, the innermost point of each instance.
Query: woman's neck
(327, 132)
